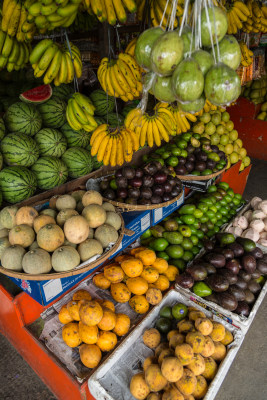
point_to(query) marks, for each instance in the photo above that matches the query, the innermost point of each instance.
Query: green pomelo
(230, 52)
(188, 81)
(144, 46)
(187, 38)
(222, 85)
(217, 20)
(167, 53)
(193, 106)
(162, 89)
(204, 59)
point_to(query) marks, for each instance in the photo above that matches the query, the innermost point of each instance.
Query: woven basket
(200, 178)
(85, 267)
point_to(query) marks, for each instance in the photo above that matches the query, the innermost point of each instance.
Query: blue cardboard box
(159, 214)
(45, 292)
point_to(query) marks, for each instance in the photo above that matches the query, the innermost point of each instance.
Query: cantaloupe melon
(41, 221)
(76, 229)
(89, 248)
(50, 237)
(65, 201)
(4, 244)
(49, 211)
(106, 234)
(95, 215)
(92, 197)
(8, 216)
(26, 215)
(37, 261)
(78, 195)
(4, 232)
(113, 219)
(68, 243)
(65, 258)
(108, 207)
(22, 235)
(12, 258)
(65, 214)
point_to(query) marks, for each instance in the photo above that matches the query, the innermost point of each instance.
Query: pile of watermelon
(39, 150)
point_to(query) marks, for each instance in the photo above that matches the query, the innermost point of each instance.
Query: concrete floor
(246, 379)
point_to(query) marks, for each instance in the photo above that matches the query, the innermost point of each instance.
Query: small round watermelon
(75, 138)
(53, 112)
(51, 142)
(50, 172)
(19, 149)
(78, 161)
(103, 104)
(23, 118)
(17, 183)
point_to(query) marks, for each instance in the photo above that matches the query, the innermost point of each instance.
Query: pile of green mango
(179, 237)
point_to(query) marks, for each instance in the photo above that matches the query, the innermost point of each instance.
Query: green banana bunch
(14, 55)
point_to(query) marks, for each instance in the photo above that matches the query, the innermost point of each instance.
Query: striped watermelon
(1, 161)
(23, 118)
(103, 104)
(50, 172)
(53, 112)
(2, 129)
(100, 120)
(17, 183)
(115, 120)
(63, 91)
(78, 161)
(19, 149)
(51, 142)
(75, 138)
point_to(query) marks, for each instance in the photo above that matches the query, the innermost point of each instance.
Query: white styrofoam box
(111, 380)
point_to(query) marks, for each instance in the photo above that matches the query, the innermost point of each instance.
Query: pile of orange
(93, 325)
(138, 278)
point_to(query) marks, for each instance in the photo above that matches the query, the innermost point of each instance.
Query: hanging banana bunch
(79, 113)
(237, 15)
(14, 14)
(120, 78)
(182, 119)
(131, 47)
(156, 11)
(110, 10)
(257, 21)
(246, 54)
(113, 146)
(14, 55)
(55, 62)
(152, 129)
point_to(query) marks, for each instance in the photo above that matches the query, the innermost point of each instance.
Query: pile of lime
(169, 316)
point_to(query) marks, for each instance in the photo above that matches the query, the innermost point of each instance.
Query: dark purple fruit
(200, 166)
(191, 158)
(257, 253)
(210, 164)
(156, 199)
(128, 172)
(214, 148)
(171, 179)
(130, 200)
(139, 173)
(239, 294)
(167, 187)
(121, 182)
(160, 177)
(256, 274)
(249, 263)
(227, 300)
(134, 193)
(229, 275)
(185, 280)
(254, 286)
(190, 149)
(242, 309)
(136, 182)
(122, 193)
(144, 202)
(233, 265)
(148, 181)
(166, 197)
(210, 268)
(244, 275)
(145, 193)
(118, 173)
(109, 194)
(198, 272)
(158, 190)
(241, 283)
(262, 267)
(228, 254)
(217, 283)
(201, 156)
(221, 154)
(218, 260)
(150, 168)
(182, 160)
(208, 244)
(175, 192)
(250, 298)
(180, 170)
(237, 249)
(190, 166)
(212, 297)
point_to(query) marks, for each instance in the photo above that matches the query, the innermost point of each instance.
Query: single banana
(48, 56)
(7, 15)
(84, 103)
(98, 142)
(113, 154)
(53, 68)
(102, 148)
(68, 10)
(143, 133)
(126, 72)
(14, 21)
(156, 133)
(39, 50)
(120, 11)
(14, 55)
(111, 16)
(78, 112)
(130, 5)
(2, 40)
(7, 47)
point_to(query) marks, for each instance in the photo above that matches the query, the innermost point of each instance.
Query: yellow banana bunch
(157, 8)
(237, 15)
(14, 55)
(79, 113)
(246, 54)
(152, 129)
(46, 15)
(113, 146)
(121, 77)
(257, 20)
(110, 10)
(55, 62)
(131, 47)
(182, 119)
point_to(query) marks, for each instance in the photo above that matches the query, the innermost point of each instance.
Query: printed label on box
(145, 222)
(52, 288)
(157, 214)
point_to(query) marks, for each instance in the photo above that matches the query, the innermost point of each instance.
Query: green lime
(162, 254)
(198, 213)
(159, 244)
(211, 189)
(165, 155)
(230, 192)
(194, 239)
(147, 234)
(186, 136)
(113, 184)
(179, 311)
(195, 250)
(185, 230)
(187, 244)
(175, 251)
(200, 234)
(166, 312)
(203, 207)
(182, 144)
(172, 161)
(195, 173)
(196, 136)
(184, 153)
(188, 255)
(179, 263)
(164, 325)
(160, 150)
(176, 151)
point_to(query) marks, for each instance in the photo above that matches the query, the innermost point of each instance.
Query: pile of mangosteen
(149, 184)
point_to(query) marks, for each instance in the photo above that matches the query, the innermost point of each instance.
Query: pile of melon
(93, 325)
(138, 277)
(75, 228)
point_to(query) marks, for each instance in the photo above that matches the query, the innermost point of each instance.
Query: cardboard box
(159, 214)
(45, 292)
